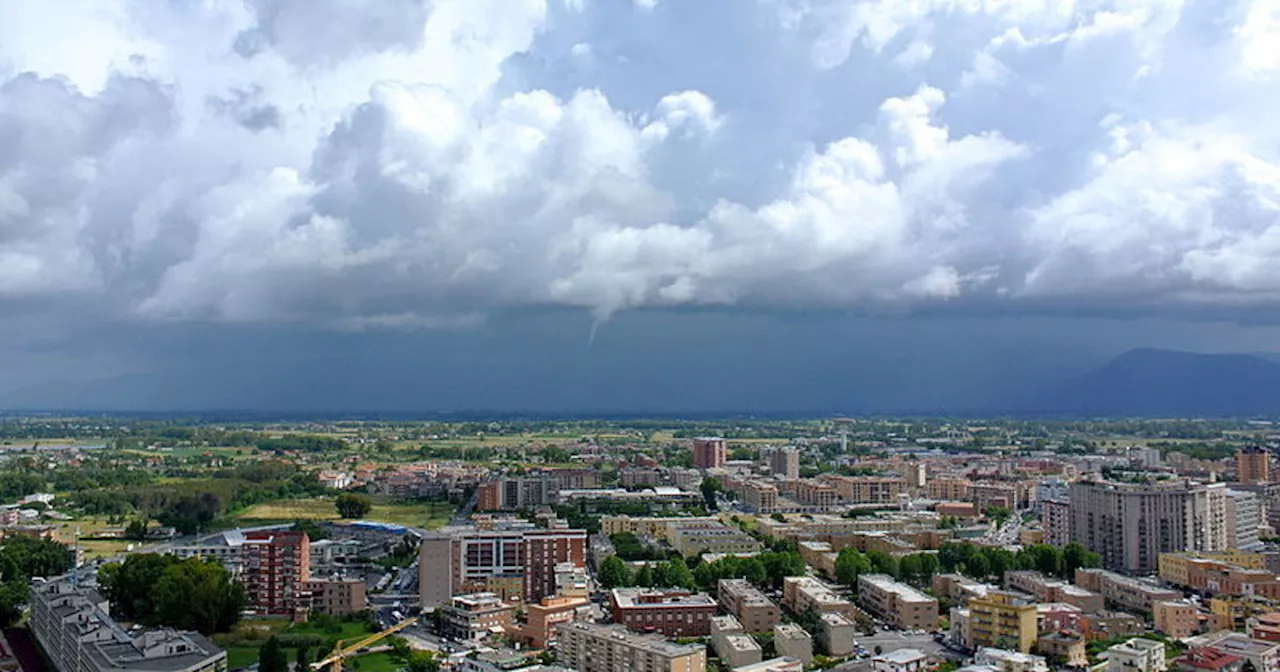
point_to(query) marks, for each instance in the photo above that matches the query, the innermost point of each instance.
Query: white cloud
(416, 164)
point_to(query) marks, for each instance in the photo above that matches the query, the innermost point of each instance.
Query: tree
(710, 486)
(850, 564)
(130, 586)
(351, 505)
(977, 566)
(303, 659)
(271, 658)
(614, 573)
(644, 577)
(136, 530)
(197, 595)
(677, 574)
(422, 661)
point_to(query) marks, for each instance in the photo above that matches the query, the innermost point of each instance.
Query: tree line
(766, 569)
(161, 590)
(24, 558)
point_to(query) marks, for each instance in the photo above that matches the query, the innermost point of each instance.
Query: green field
(242, 643)
(430, 515)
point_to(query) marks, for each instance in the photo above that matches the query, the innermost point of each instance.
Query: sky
(626, 204)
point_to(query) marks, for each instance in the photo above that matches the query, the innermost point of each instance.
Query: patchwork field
(430, 515)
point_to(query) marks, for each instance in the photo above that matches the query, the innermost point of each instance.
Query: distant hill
(1149, 382)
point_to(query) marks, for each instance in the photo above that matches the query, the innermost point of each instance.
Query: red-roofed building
(1208, 659)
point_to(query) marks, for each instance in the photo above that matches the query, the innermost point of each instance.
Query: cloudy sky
(704, 204)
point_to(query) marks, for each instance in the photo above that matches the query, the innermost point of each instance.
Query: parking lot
(893, 640)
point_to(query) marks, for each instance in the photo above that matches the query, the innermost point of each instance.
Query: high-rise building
(513, 559)
(588, 647)
(1243, 518)
(709, 453)
(785, 462)
(1131, 524)
(275, 568)
(1055, 518)
(1253, 465)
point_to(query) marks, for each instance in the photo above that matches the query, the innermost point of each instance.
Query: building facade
(275, 567)
(588, 647)
(709, 453)
(1003, 620)
(673, 613)
(897, 603)
(1131, 524)
(753, 609)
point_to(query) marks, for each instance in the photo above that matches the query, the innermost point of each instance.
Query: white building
(1011, 661)
(900, 660)
(1136, 655)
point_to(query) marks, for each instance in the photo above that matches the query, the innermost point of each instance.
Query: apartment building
(76, 631)
(1045, 589)
(897, 603)
(336, 597)
(1124, 592)
(1055, 520)
(510, 558)
(1265, 656)
(869, 489)
(274, 569)
(674, 613)
(475, 617)
(719, 539)
(949, 489)
(1177, 619)
(655, 527)
(1218, 577)
(1131, 524)
(732, 644)
(816, 494)
(1054, 616)
(1244, 516)
(1253, 465)
(1002, 619)
(709, 453)
(756, 612)
(1066, 645)
(959, 588)
(836, 633)
(543, 619)
(1136, 655)
(785, 462)
(793, 641)
(804, 593)
(759, 497)
(588, 647)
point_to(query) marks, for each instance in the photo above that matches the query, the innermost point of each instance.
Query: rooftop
(901, 656)
(888, 584)
(658, 598)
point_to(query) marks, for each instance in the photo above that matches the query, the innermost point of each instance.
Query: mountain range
(1137, 383)
(1150, 383)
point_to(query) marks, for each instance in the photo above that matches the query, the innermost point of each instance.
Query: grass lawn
(375, 662)
(430, 515)
(243, 643)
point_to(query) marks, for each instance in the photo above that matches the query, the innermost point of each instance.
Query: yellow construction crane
(341, 653)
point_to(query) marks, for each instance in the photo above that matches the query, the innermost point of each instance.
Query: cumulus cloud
(415, 164)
